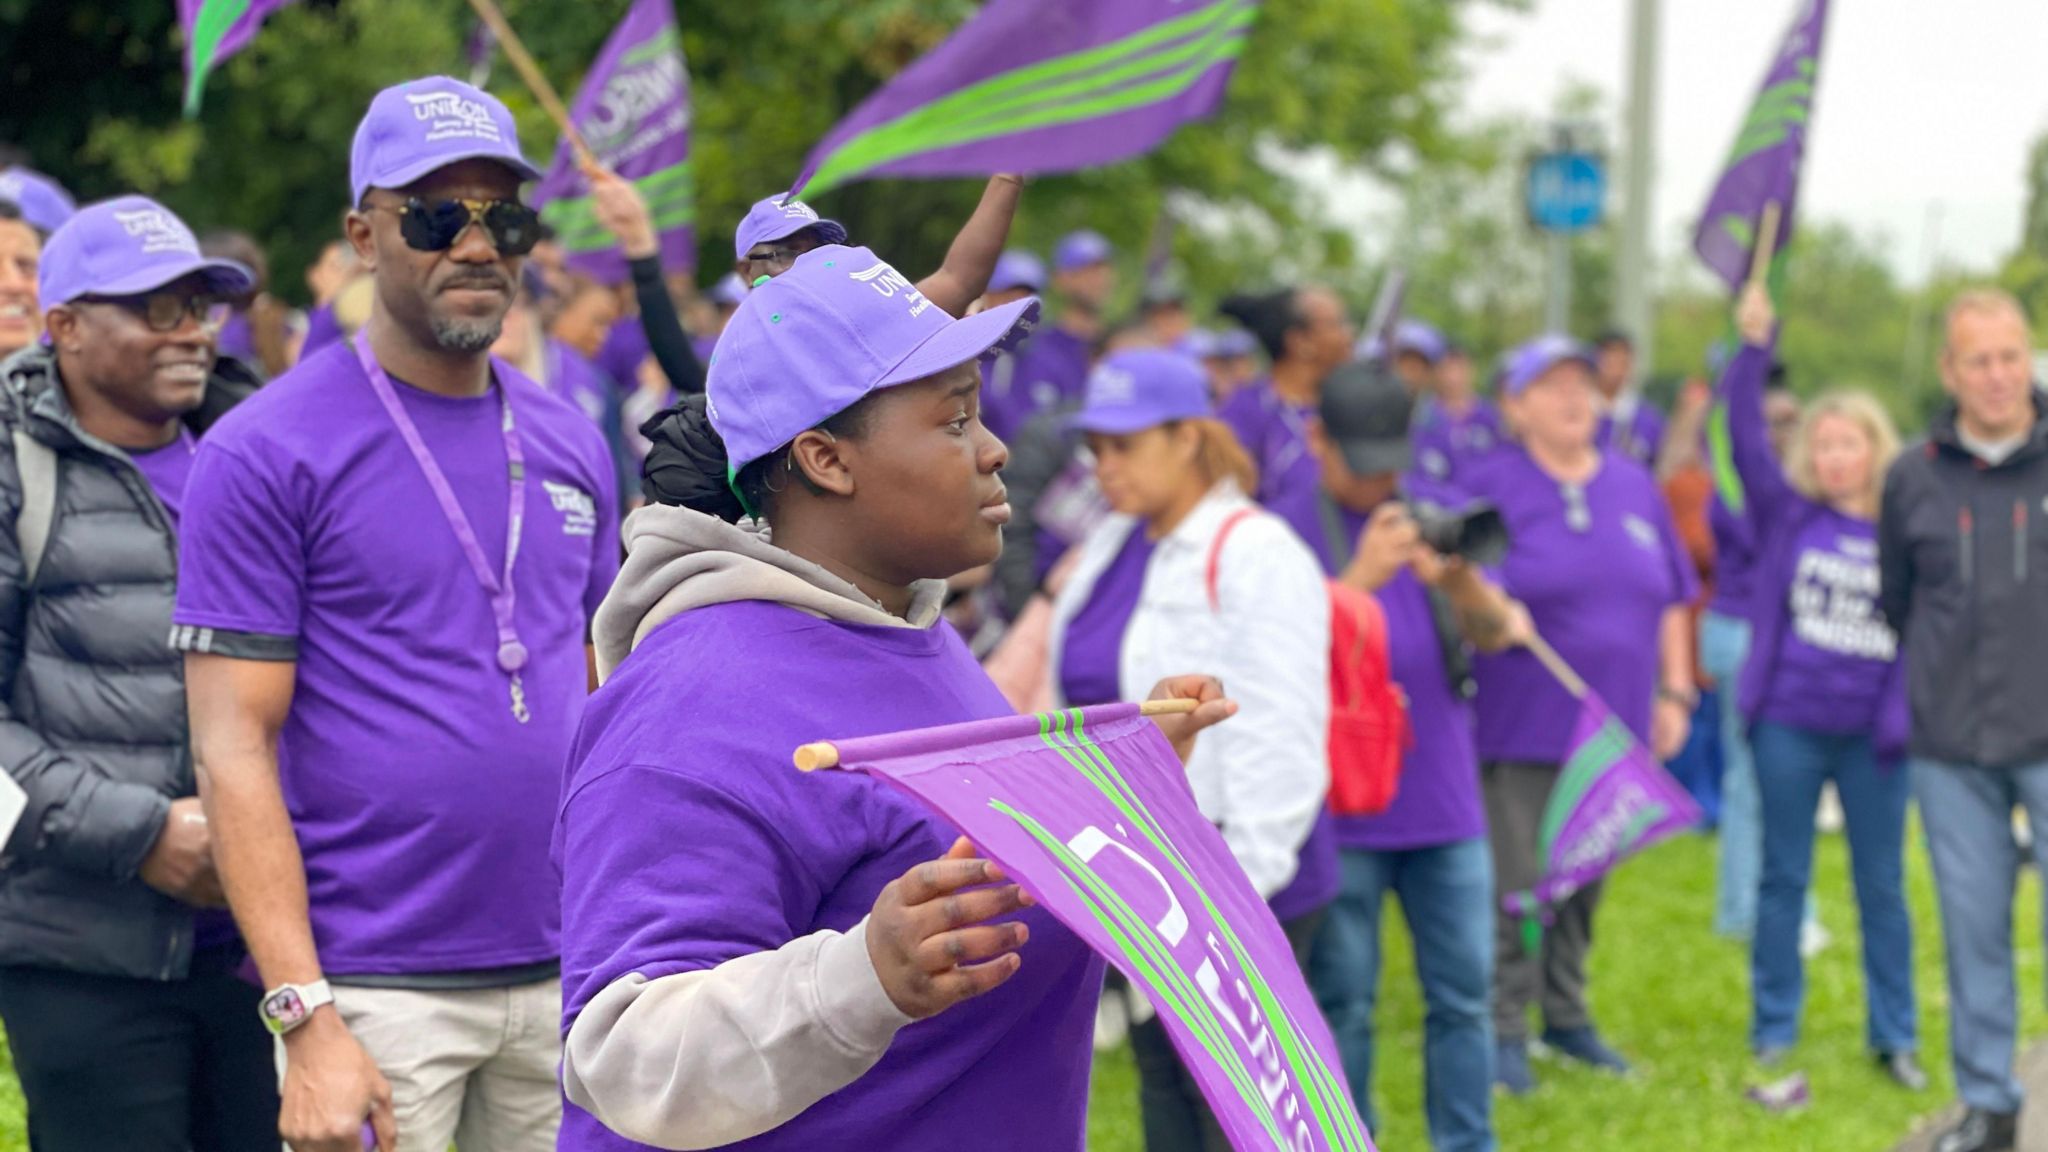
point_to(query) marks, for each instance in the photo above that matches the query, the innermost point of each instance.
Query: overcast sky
(1921, 102)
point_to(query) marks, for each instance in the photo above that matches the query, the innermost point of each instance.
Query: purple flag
(1611, 801)
(1763, 167)
(634, 113)
(214, 31)
(1041, 86)
(1090, 812)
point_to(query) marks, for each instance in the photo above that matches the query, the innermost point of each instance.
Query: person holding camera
(1593, 553)
(1428, 847)
(1190, 573)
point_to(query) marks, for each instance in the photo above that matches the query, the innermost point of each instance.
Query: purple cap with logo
(1142, 388)
(1419, 338)
(779, 217)
(422, 126)
(1530, 361)
(1017, 269)
(43, 202)
(126, 247)
(1199, 343)
(841, 323)
(730, 291)
(1081, 249)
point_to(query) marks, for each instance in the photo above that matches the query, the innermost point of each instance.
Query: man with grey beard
(389, 562)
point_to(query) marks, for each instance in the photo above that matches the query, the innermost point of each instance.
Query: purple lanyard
(511, 653)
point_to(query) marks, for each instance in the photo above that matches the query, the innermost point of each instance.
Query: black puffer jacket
(1962, 550)
(92, 698)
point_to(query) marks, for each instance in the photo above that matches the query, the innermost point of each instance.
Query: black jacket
(1963, 562)
(92, 697)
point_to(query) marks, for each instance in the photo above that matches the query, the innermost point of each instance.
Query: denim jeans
(1966, 812)
(1724, 647)
(1446, 895)
(1792, 764)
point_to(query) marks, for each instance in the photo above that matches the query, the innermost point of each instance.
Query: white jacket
(1261, 777)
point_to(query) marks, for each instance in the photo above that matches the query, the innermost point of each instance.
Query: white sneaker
(1112, 1021)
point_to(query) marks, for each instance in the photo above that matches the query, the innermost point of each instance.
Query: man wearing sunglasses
(129, 1026)
(386, 582)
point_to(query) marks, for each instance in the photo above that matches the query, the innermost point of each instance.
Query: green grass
(1675, 998)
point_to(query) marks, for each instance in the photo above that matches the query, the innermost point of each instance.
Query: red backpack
(1368, 714)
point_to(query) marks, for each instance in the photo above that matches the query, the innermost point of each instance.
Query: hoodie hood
(677, 559)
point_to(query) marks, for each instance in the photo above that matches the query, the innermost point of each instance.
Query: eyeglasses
(167, 311)
(781, 255)
(435, 225)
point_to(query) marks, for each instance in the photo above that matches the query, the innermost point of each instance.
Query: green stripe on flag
(667, 40)
(214, 19)
(1721, 454)
(670, 195)
(1589, 762)
(1038, 86)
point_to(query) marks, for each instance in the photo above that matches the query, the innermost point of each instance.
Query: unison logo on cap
(454, 116)
(158, 231)
(798, 210)
(1112, 386)
(888, 281)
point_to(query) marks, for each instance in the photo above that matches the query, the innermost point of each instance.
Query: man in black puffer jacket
(128, 1025)
(1963, 568)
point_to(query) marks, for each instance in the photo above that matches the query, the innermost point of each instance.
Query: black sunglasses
(435, 225)
(166, 311)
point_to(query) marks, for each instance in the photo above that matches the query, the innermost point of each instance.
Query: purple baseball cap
(43, 202)
(1081, 249)
(1142, 388)
(1421, 339)
(1531, 360)
(841, 323)
(126, 247)
(1199, 343)
(779, 217)
(1017, 269)
(422, 126)
(1233, 343)
(730, 291)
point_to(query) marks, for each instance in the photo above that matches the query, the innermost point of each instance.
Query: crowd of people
(384, 789)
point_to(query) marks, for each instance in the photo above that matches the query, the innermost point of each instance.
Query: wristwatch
(287, 1006)
(1687, 699)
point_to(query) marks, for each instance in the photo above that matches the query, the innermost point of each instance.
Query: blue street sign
(1567, 191)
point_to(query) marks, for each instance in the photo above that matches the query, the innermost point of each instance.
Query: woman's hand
(1754, 315)
(1211, 708)
(1670, 724)
(1388, 543)
(621, 210)
(928, 939)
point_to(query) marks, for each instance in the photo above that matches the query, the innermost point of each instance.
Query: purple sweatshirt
(1822, 657)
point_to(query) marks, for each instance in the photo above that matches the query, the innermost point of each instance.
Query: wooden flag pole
(522, 62)
(1555, 665)
(813, 757)
(1766, 242)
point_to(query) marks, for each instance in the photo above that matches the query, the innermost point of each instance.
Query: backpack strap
(1213, 569)
(37, 464)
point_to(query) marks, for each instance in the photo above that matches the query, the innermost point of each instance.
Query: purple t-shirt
(235, 338)
(573, 377)
(1049, 370)
(1445, 443)
(686, 840)
(1735, 560)
(1438, 800)
(1835, 654)
(322, 328)
(1091, 664)
(1275, 433)
(167, 469)
(422, 806)
(624, 347)
(1597, 567)
(1641, 438)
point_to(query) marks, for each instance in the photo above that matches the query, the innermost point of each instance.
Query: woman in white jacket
(1191, 574)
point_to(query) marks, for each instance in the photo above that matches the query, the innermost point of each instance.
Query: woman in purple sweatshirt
(1823, 692)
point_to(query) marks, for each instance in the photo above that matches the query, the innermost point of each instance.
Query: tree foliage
(94, 97)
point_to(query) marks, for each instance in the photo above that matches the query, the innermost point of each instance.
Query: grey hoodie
(708, 1058)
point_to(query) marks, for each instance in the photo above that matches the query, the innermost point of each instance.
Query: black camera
(1475, 533)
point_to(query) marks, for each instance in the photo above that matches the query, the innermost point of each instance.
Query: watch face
(284, 1008)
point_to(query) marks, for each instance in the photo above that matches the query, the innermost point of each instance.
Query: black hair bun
(686, 463)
